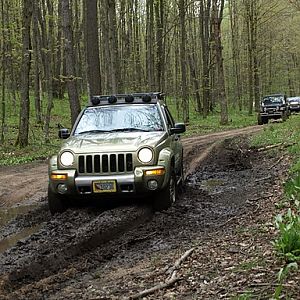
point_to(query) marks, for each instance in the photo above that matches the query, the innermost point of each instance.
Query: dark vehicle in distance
(294, 104)
(121, 145)
(273, 106)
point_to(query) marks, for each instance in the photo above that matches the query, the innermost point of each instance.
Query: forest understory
(214, 243)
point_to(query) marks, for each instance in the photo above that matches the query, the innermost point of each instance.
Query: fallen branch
(264, 178)
(269, 147)
(272, 284)
(179, 261)
(143, 238)
(227, 221)
(261, 197)
(169, 282)
(277, 162)
(160, 286)
(266, 148)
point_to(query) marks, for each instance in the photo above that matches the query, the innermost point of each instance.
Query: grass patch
(248, 265)
(37, 148)
(288, 242)
(244, 296)
(200, 126)
(286, 133)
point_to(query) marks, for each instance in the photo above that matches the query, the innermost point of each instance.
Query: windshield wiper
(129, 129)
(95, 131)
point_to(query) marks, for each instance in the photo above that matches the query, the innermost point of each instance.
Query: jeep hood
(112, 142)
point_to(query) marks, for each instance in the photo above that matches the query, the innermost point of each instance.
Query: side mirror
(63, 133)
(179, 128)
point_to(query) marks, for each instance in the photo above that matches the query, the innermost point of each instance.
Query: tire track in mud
(72, 235)
(60, 241)
(196, 149)
(27, 181)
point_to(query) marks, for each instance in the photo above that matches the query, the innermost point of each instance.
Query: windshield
(294, 99)
(273, 100)
(120, 118)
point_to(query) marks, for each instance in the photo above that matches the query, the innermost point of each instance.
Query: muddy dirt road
(224, 217)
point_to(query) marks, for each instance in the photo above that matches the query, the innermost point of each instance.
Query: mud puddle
(66, 237)
(17, 223)
(6, 215)
(12, 240)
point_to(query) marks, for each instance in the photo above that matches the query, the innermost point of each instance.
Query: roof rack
(152, 97)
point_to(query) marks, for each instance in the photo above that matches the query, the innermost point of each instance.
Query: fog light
(152, 185)
(138, 172)
(62, 188)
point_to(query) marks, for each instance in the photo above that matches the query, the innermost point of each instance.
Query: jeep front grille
(105, 163)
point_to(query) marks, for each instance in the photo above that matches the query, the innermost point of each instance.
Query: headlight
(67, 159)
(145, 155)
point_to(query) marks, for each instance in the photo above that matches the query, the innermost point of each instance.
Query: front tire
(167, 196)
(180, 180)
(56, 202)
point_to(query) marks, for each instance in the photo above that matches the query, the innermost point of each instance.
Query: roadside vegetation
(287, 221)
(12, 154)
(38, 149)
(199, 125)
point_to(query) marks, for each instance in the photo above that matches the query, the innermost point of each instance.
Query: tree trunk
(255, 57)
(183, 61)
(248, 21)
(92, 48)
(4, 66)
(160, 61)
(234, 24)
(70, 61)
(217, 16)
(113, 45)
(205, 41)
(24, 84)
(139, 82)
(37, 65)
(149, 45)
(192, 58)
(58, 83)
(48, 70)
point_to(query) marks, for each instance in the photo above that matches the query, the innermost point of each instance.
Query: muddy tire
(167, 196)
(56, 203)
(180, 177)
(259, 120)
(265, 120)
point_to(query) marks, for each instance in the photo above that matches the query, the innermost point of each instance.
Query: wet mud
(93, 253)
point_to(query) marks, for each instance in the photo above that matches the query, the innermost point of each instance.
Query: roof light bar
(126, 98)
(129, 98)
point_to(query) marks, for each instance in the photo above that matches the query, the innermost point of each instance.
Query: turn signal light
(155, 172)
(59, 176)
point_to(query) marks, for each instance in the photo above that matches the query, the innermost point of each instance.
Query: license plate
(104, 186)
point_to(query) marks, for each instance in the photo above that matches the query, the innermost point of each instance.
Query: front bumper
(295, 108)
(136, 183)
(278, 114)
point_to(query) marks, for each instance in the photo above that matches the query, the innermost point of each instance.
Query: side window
(170, 119)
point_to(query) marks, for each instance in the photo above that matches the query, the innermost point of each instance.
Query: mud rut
(84, 253)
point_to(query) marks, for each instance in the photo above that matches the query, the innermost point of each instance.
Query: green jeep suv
(119, 145)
